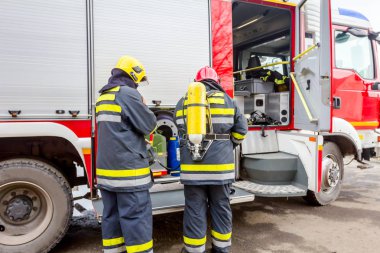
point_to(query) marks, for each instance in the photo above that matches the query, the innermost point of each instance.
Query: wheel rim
(331, 173)
(26, 211)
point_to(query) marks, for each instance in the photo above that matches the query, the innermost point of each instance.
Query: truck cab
(356, 96)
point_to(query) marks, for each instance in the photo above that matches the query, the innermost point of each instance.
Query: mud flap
(169, 201)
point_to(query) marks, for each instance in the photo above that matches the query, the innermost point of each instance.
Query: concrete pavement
(351, 224)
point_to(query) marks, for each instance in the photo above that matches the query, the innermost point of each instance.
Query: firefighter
(207, 183)
(122, 171)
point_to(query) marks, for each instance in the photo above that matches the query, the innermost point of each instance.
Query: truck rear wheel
(35, 206)
(332, 175)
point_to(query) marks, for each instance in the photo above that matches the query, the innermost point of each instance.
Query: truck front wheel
(332, 175)
(35, 206)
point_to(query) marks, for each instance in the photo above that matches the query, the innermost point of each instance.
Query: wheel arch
(48, 142)
(345, 136)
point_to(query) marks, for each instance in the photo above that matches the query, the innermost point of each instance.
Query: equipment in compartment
(267, 109)
(174, 162)
(160, 150)
(278, 107)
(253, 86)
(259, 118)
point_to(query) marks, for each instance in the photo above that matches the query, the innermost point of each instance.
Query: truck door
(312, 66)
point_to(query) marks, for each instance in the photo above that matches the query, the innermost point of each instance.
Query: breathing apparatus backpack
(198, 123)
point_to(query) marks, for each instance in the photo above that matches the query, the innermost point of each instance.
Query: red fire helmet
(207, 73)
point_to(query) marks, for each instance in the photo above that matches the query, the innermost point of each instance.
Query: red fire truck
(55, 56)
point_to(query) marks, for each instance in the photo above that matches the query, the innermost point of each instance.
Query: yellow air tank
(196, 112)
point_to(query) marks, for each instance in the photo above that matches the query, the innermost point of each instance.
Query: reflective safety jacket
(123, 120)
(217, 166)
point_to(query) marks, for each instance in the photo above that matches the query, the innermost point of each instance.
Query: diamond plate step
(270, 190)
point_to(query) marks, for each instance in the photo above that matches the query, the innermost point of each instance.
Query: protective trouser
(197, 200)
(127, 222)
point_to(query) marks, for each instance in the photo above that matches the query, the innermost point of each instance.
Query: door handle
(336, 102)
(376, 86)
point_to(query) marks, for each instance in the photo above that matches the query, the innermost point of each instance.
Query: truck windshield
(353, 52)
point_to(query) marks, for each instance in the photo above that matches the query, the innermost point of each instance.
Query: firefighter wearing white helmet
(211, 126)
(122, 169)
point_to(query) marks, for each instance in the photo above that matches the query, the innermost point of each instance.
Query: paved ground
(351, 224)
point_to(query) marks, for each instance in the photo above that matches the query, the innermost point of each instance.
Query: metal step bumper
(270, 190)
(169, 198)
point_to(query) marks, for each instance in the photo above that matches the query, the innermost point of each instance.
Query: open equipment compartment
(262, 49)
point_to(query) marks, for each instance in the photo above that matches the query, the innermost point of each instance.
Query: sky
(369, 8)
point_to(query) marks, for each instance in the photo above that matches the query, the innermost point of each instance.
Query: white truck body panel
(44, 52)
(299, 144)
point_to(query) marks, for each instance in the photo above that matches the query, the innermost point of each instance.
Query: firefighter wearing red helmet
(207, 183)
(207, 73)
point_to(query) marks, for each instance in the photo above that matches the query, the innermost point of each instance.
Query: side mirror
(342, 37)
(376, 86)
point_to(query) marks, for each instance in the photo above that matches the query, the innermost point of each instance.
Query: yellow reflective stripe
(86, 151)
(108, 108)
(106, 97)
(223, 111)
(218, 94)
(123, 173)
(365, 124)
(279, 82)
(140, 247)
(218, 111)
(180, 113)
(113, 242)
(194, 242)
(219, 236)
(117, 88)
(207, 167)
(219, 101)
(238, 136)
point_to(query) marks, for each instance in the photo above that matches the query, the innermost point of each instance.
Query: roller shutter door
(171, 38)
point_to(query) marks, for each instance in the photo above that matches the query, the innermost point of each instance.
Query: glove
(151, 154)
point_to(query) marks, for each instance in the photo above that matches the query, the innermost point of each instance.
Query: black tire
(328, 195)
(47, 192)
(167, 127)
